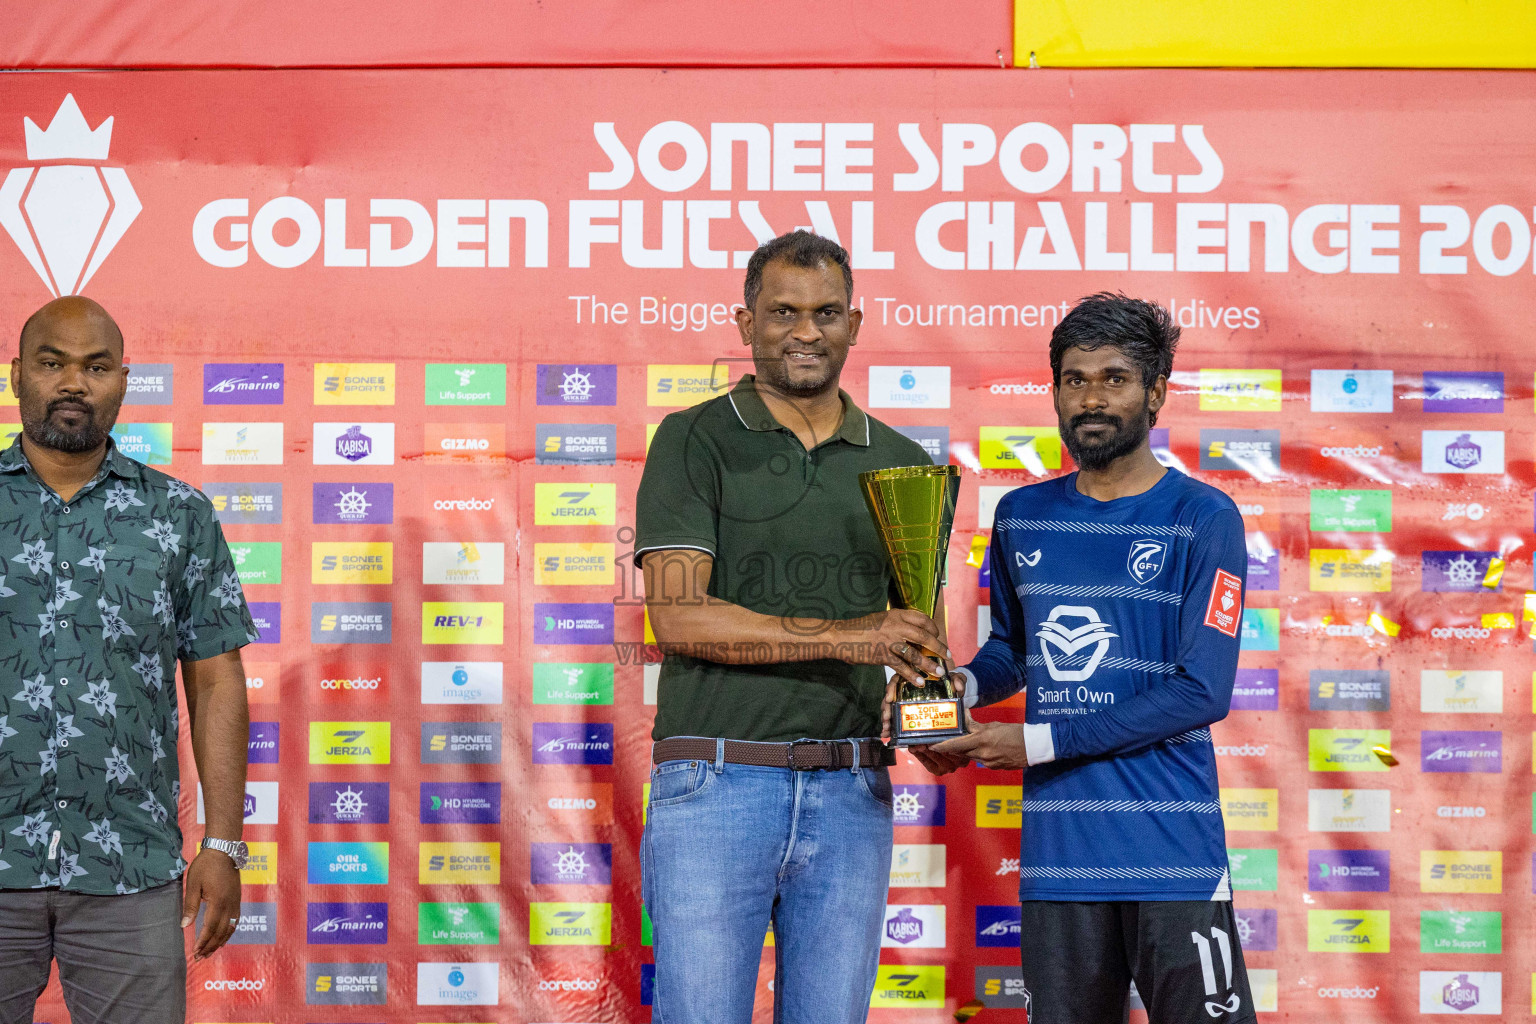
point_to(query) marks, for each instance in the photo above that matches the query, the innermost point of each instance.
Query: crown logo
(68, 137)
(67, 217)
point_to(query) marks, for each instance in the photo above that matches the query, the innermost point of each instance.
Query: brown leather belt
(801, 755)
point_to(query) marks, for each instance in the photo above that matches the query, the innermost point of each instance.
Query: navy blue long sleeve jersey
(1121, 619)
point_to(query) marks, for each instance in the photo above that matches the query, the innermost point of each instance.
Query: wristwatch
(236, 850)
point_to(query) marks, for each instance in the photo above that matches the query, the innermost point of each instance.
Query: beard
(775, 375)
(1096, 454)
(44, 432)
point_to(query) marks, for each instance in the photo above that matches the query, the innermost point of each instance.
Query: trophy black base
(926, 721)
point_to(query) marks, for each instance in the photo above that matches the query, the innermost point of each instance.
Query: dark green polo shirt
(791, 536)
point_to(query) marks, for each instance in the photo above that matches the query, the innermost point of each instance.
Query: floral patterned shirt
(99, 598)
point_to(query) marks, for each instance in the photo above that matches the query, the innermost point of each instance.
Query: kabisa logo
(1145, 560)
(1458, 451)
(1068, 641)
(904, 928)
(353, 444)
(1461, 992)
(76, 211)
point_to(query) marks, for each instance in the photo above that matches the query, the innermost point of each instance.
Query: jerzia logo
(76, 211)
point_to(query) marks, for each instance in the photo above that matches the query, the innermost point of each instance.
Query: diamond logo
(67, 216)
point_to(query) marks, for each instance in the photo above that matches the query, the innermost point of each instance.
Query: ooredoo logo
(234, 984)
(76, 211)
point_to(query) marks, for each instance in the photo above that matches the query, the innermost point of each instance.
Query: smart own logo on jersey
(1073, 635)
(76, 210)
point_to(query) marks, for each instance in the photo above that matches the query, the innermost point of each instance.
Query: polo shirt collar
(14, 460)
(754, 414)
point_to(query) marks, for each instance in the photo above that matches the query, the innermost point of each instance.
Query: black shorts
(1079, 960)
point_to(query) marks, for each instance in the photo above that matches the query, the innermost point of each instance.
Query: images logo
(456, 984)
(570, 924)
(458, 924)
(1239, 391)
(572, 743)
(1036, 449)
(354, 383)
(461, 682)
(1480, 871)
(561, 504)
(574, 444)
(349, 742)
(459, 863)
(461, 803)
(909, 387)
(572, 864)
(349, 803)
(461, 742)
(353, 504)
(1349, 931)
(352, 562)
(348, 923)
(998, 926)
(584, 384)
(76, 211)
(1351, 390)
(242, 383)
(685, 384)
(466, 384)
(348, 863)
(461, 622)
(1350, 571)
(1349, 871)
(570, 683)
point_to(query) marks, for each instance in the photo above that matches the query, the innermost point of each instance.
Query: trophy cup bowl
(914, 510)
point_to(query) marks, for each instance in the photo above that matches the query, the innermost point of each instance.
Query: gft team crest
(67, 215)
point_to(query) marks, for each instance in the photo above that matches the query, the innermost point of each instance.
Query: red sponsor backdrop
(346, 33)
(1296, 222)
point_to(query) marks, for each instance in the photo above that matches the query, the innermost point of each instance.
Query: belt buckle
(831, 755)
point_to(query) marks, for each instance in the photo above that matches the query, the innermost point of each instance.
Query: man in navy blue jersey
(1117, 597)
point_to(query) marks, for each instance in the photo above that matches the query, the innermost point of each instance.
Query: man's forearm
(716, 630)
(220, 725)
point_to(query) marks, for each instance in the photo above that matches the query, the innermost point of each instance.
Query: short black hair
(1143, 330)
(798, 249)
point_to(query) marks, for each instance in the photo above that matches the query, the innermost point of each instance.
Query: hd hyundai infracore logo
(67, 215)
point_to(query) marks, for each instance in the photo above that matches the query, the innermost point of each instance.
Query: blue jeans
(727, 849)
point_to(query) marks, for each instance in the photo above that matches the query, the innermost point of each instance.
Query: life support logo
(1146, 560)
(76, 211)
(1069, 641)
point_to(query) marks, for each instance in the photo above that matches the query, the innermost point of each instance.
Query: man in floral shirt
(110, 573)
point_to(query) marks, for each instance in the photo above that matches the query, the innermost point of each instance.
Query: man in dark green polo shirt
(768, 592)
(110, 573)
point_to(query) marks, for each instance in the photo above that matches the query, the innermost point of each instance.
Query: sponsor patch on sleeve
(1225, 609)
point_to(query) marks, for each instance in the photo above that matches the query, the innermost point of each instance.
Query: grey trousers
(122, 959)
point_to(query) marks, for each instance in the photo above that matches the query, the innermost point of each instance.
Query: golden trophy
(914, 511)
